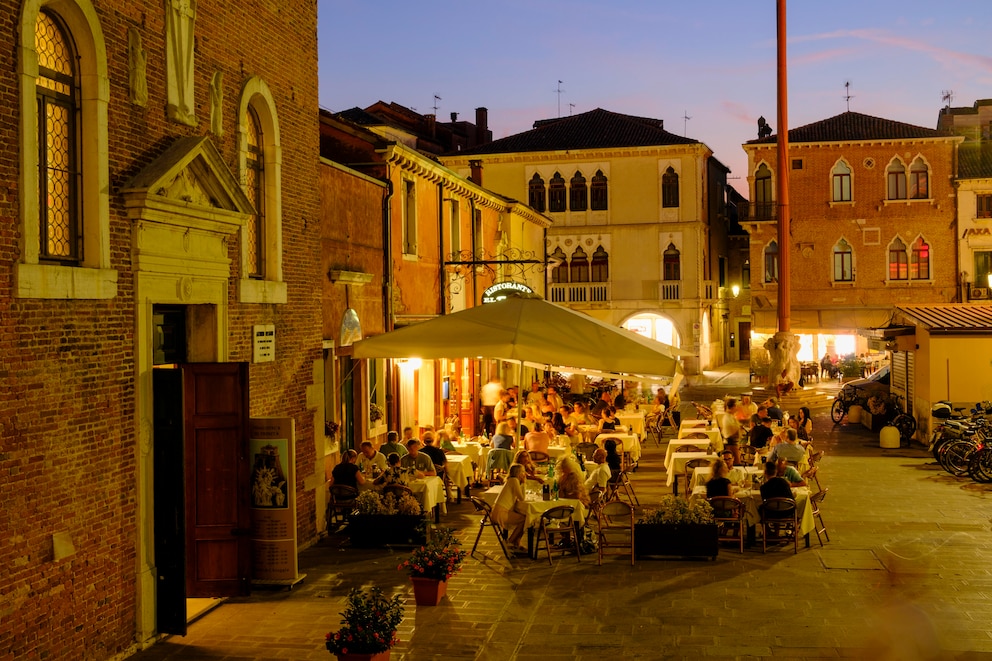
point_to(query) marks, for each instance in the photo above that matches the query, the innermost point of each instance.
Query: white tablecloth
(459, 469)
(633, 420)
(736, 476)
(712, 436)
(675, 463)
(693, 422)
(475, 450)
(752, 501)
(631, 444)
(536, 507)
(429, 491)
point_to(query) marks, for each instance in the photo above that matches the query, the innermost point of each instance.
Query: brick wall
(68, 446)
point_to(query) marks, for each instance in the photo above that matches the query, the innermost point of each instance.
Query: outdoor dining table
(737, 475)
(712, 436)
(678, 445)
(429, 491)
(473, 449)
(631, 443)
(536, 506)
(460, 472)
(633, 421)
(752, 503)
(675, 465)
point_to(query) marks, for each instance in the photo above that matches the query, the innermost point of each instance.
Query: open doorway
(200, 473)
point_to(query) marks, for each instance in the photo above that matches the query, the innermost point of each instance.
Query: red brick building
(872, 226)
(150, 216)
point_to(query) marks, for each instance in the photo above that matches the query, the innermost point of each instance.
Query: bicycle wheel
(980, 466)
(906, 424)
(838, 411)
(955, 456)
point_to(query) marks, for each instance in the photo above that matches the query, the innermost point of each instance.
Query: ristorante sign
(502, 290)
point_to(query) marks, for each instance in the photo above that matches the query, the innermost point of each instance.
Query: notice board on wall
(272, 457)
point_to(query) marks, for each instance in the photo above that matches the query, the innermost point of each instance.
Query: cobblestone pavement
(902, 577)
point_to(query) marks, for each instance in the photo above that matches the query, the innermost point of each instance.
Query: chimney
(454, 117)
(476, 175)
(431, 125)
(481, 126)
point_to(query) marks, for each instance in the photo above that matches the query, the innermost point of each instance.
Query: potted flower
(677, 527)
(368, 626)
(382, 520)
(432, 565)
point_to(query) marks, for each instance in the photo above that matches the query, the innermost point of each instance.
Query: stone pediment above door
(189, 185)
(186, 205)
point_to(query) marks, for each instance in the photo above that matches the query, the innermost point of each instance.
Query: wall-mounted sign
(264, 344)
(502, 290)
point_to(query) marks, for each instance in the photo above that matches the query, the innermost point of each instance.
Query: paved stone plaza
(904, 576)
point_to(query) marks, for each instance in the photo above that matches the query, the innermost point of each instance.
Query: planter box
(372, 530)
(874, 422)
(689, 540)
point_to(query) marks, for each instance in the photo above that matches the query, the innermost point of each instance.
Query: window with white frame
(764, 205)
(537, 194)
(579, 266)
(771, 262)
(599, 192)
(919, 260)
(983, 205)
(896, 180)
(578, 193)
(898, 260)
(670, 188)
(843, 262)
(556, 193)
(255, 191)
(919, 180)
(671, 261)
(600, 266)
(841, 178)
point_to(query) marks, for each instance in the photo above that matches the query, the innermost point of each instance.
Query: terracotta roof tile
(596, 129)
(951, 318)
(853, 126)
(975, 159)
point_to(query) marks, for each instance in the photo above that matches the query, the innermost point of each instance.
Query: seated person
(774, 486)
(509, 508)
(804, 426)
(416, 461)
(789, 473)
(745, 409)
(444, 441)
(608, 422)
(503, 438)
(531, 471)
(347, 472)
(392, 444)
(719, 483)
(762, 432)
(570, 482)
(784, 384)
(598, 473)
(559, 420)
(613, 458)
(370, 462)
(774, 412)
(736, 474)
(436, 454)
(789, 449)
(538, 439)
(393, 473)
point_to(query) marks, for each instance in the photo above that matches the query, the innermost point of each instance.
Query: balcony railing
(670, 290)
(760, 210)
(580, 292)
(710, 290)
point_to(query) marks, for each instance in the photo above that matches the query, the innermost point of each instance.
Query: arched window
(260, 156)
(771, 262)
(670, 188)
(559, 272)
(746, 274)
(578, 194)
(600, 265)
(255, 190)
(556, 193)
(537, 196)
(919, 261)
(58, 142)
(841, 176)
(843, 262)
(579, 268)
(896, 176)
(898, 260)
(764, 204)
(919, 187)
(671, 261)
(598, 192)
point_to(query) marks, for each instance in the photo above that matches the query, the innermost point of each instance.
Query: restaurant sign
(502, 290)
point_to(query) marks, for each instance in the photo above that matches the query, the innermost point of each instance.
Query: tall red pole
(784, 293)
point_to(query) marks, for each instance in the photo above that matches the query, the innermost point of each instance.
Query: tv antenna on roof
(947, 96)
(559, 99)
(685, 121)
(571, 106)
(847, 94)
(436, 99)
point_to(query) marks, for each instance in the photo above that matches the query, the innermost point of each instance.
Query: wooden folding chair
(483, 508)
(779, 522)
(819, 526)
(340, 503)
(558, 521)
(615, 529)
(728, 513)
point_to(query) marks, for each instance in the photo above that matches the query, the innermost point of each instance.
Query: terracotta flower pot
(355, 656)
(428, 591)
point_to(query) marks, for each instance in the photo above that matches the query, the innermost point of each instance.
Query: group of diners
(396, 461)
(744, 422)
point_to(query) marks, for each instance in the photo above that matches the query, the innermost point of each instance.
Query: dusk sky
(713, 61)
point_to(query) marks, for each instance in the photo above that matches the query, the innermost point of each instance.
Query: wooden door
(744, 339)
(217, 473)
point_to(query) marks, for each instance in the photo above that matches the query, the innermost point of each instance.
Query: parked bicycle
(845, 399)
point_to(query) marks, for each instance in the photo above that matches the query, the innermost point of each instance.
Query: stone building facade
(150, 216)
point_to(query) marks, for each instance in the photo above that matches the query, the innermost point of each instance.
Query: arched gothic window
(578, 194)
(771, 262)
(919, 186)
(919, 261)
(579, 268)
(671, 261)
(559, 273)
(898, 260)
(598, 192)
(896, 178)
(670, 188)
(537, 196)
(764, 204)
(556, 193)
(843, 262)
(255, 190)
(600, 265)
(841, 177)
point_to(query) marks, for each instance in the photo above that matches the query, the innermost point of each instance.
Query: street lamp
(736, 289)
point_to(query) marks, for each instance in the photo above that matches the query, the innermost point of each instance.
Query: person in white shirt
(510, 505)
(598, 472)
(371, 462)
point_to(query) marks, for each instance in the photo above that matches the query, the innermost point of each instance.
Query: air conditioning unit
(979, 293)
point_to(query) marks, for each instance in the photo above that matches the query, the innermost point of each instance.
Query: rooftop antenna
(571, 106)
(685, 121)
(847, 94)
(436, 99)
(559, 99)
(947, 96)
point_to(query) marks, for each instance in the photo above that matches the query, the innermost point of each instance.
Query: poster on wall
(271, 447)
